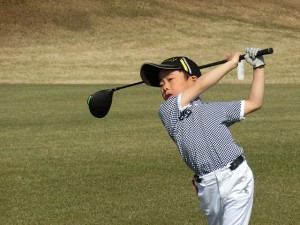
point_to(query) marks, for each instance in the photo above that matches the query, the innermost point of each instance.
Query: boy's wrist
(232, 64)
(259, 67)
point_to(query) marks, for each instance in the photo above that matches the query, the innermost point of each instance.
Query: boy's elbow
(252, 106)
(257, 105)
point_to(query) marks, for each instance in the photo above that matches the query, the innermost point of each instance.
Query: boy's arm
(256, 95)
(209, 79)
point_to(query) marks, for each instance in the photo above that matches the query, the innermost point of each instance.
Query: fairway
(60, 165)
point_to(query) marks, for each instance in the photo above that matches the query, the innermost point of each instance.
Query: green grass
(60, 165)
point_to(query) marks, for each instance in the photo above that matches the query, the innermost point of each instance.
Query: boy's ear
(194, 78)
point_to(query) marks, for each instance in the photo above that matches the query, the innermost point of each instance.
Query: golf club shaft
(259, 53)
(129, 85)
(266, 51)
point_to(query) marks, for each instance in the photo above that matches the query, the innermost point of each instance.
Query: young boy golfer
(223, 180)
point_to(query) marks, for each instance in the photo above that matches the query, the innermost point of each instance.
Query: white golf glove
(251, 58)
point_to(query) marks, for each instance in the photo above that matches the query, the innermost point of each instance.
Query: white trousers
(226, 196)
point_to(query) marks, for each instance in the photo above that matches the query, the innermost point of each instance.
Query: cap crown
(183, 63)
(150, 71)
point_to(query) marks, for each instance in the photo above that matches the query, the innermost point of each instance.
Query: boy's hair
(186, 74)
(150, 72)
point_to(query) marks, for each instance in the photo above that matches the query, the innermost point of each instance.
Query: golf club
(100, 102)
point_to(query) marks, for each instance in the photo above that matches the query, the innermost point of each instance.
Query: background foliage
(107, 41)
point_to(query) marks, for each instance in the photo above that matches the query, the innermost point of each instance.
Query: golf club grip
(266, 51)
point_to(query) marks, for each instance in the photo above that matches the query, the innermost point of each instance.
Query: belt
(235, 164)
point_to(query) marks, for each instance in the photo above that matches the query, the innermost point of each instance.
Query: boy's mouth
(167, 96)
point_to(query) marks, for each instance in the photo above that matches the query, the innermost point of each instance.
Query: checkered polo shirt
(200, 131)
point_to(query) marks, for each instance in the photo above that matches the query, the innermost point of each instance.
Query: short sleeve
(242, 114)
(234, 111)
(169, 114)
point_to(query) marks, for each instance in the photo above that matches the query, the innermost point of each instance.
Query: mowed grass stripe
(60, 165)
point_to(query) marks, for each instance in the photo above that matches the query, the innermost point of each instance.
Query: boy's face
(173, 82)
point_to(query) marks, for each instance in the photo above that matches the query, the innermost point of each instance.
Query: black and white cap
(150, 72)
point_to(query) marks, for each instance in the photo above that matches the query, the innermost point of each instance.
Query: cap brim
(150, 72)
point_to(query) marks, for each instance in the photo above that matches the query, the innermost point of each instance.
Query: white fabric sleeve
(242, 114)
(181, 108)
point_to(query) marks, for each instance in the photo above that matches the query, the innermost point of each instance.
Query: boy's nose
(165, 87)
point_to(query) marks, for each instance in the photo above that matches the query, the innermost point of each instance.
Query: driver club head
(99, 103)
